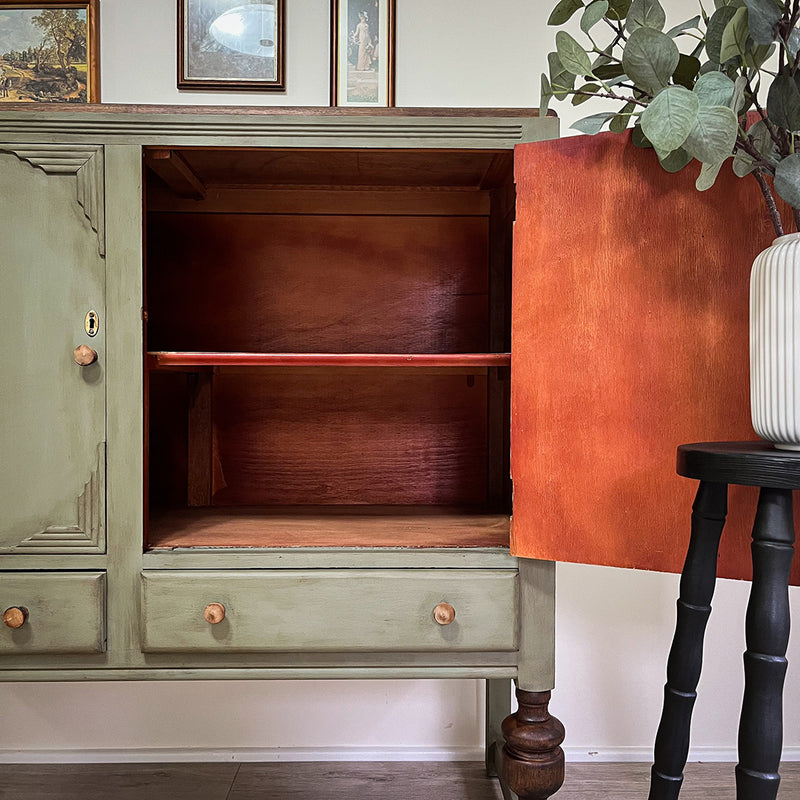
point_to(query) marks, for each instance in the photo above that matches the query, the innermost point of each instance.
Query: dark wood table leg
(533, 761)
(686, 654)
(767, 635)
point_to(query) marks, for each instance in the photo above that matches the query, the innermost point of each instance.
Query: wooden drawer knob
(84, 355)
(15, 617)
(214, 613)
(444, 613)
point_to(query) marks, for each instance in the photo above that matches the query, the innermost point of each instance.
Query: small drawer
(335, 610)
(52, 612)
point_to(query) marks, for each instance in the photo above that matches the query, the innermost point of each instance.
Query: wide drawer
(336, 609)
(64, 612)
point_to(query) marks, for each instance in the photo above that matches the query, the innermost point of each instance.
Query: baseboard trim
(639, 754)
(173, 755)
(170, 755)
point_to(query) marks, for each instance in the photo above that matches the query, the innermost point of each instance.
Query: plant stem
(609, 95)
(774, 215)
(763, 114)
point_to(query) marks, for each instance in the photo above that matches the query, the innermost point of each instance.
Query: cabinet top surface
(274, 126)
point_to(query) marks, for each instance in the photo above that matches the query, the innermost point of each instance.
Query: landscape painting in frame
(231, 45)
(362, 53)
(49, 52)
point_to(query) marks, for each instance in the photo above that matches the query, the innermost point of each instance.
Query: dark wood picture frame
(43, 86)
(190, 27)
(369, 43)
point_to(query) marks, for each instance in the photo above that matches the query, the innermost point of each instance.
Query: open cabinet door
(629, 338)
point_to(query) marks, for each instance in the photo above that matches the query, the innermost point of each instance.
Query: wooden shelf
(163, 359)
(327, 526)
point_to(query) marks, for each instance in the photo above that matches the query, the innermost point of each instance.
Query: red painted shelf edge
(188, 359)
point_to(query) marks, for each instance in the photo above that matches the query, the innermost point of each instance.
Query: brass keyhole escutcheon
(91, 323)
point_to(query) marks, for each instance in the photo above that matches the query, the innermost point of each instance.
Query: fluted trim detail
(88, 534)
(86, 162)
(775, 342)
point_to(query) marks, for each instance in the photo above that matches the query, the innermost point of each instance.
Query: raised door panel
(52, 432)
(630, 337)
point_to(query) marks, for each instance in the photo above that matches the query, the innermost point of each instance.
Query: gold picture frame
(49, 52)
(362, 53)
(231, 45)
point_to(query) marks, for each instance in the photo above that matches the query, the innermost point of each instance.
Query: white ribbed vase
(775, 343)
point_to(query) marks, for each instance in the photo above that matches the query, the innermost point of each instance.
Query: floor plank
(346, 781)
(117, 781)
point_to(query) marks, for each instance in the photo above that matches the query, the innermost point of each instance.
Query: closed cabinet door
(52, 370)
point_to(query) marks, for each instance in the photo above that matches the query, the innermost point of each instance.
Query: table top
(742, 463)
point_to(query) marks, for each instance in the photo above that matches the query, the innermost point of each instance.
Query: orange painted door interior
(629, 338)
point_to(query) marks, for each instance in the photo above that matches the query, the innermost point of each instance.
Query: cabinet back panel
(336, 437)
(318, 283)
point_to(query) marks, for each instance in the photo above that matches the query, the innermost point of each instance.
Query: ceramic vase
(775, 343)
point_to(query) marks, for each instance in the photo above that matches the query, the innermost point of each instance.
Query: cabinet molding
(85, 162)
(88, 532)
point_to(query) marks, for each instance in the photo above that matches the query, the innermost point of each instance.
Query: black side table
(777, 472)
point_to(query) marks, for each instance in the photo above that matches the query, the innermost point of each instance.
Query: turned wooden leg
(686, 654)
(767, 635)
(533, 761)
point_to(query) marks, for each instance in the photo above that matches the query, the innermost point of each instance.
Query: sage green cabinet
(52, 436)
(65, 612)
(322, 610)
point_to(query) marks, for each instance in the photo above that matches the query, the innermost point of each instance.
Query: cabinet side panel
(630, 337)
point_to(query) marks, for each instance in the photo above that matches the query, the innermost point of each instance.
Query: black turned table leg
(686, 654)
(767, 635)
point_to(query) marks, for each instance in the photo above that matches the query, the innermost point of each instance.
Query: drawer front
(338, 609)
(65, 612)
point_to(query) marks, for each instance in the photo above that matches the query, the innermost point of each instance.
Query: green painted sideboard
(287, 455)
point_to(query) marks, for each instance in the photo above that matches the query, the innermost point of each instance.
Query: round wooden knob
(84, 355)
(444, 613)
(15, 617)
(214, 613)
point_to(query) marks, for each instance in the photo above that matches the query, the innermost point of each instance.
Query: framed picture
(362, 53)
(231, 45)
(49, 52)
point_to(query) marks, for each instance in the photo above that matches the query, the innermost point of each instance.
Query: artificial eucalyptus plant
(688, 89)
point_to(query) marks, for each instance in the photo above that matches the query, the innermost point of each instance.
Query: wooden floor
(345, 781)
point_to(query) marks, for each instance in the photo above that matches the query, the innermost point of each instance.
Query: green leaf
(646, 14)
(545, 96)
(764, 18)
(734, 3)
(620, 122)
(649, 59)
(618, 9)
(783, 103)
(573, 57)
(714, 135)
(716, 28)
(670, 118)
(593, 14)
(577, 99)
(676, 160)
(686, 71)
(639, 139)
(743, 164)
(734, 37)
(737, 99)
(762, 141)
(593, 124)
(606, 73)
(564, 11)
(561, 81)
(690, 24)
(714, 89)
(757, 55)
(787, 180)
(708, 174)
(793, 43)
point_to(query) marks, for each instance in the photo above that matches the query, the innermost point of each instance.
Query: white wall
(614, 626)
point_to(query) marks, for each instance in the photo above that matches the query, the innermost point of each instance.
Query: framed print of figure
(362, 53)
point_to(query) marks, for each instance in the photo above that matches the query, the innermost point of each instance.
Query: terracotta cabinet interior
(327, 347)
